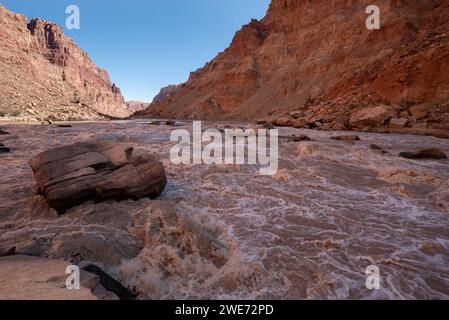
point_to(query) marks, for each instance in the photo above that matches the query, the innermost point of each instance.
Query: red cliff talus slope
(44, 73)
(318, 63)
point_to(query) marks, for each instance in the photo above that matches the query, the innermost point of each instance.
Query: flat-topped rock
(70, 175)
(431, 153)
(371, 117)
(350, 137)
(32, 278)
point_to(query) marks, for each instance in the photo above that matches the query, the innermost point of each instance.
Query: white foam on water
(309, 232)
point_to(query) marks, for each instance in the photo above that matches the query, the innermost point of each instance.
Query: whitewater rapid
(225, 231)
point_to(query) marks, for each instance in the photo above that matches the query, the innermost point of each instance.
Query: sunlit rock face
(44, 73)
(135, 106)
(319, 57)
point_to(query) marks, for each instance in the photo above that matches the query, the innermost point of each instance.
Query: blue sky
(148, 44)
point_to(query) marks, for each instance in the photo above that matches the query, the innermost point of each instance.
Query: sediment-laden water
(309, 232)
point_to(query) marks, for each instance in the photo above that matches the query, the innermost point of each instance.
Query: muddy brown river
(225, 232)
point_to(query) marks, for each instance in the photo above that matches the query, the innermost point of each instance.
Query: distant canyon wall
(319, 58)
(43, 72)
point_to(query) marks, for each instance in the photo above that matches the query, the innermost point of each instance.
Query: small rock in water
(64, 126)
(346, 138)
(3, 132)
(170, 123)
(375, 147)
(439, 135)
(301, 137)
(4, 149)
(268, 126)
(432, 153)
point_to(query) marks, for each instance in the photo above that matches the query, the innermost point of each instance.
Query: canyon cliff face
(166, 93)
(318, 59)
(44, 73)
(135, 106)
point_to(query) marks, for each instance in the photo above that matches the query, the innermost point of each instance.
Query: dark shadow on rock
(432, 153)
(110, 284)
(4, 149)
(10, 252)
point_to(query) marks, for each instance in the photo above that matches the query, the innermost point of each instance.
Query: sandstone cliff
(44, 73)
(318, 60)
(166, 93)
(135, 106)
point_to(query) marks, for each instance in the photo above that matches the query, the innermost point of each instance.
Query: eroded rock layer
(70, 175)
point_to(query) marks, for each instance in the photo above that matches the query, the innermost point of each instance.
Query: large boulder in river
(371, 117)
(70, 175)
